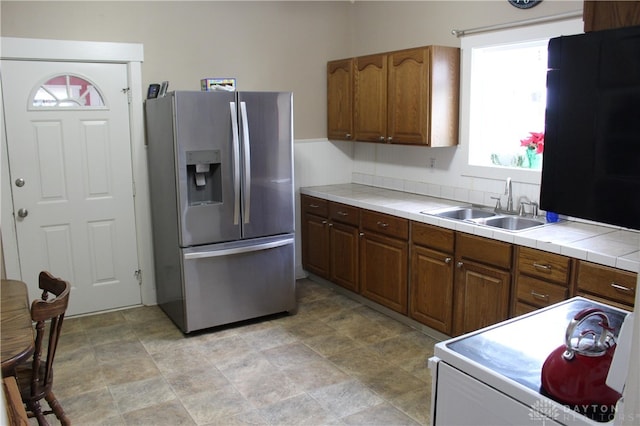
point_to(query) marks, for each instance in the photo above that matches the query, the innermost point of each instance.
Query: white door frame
(83, 51)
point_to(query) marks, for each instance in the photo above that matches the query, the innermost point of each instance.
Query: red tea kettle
(575, 373)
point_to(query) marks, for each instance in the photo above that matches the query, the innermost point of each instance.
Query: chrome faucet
(508, 191)
(524, 201)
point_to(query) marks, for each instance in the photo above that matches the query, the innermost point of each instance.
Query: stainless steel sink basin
(486, 217)
(463, 213)
(512, 223)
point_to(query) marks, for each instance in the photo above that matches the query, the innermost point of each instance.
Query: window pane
(508, 97)
(67, 91)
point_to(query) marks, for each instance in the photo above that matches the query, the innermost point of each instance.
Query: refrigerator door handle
(247, 162)
(236, 163)
(237, 250)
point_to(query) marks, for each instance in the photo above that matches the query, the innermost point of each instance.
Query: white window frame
(494, 38)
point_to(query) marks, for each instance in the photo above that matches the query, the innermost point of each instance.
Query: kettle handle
(603, 342)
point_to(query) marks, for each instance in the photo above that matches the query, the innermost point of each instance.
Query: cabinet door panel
(431, 301)
(482, 296)
(344, 256)
(383, 271)
(370, 98)
(408, 96)
(340, 99)
(315, 245)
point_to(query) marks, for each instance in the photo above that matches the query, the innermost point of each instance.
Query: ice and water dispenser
(204, 177)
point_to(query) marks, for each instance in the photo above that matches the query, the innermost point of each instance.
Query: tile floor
(334, 362)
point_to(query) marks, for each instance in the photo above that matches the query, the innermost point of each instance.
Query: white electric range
(493, 376)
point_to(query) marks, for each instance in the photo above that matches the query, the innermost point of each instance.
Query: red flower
(535, 141)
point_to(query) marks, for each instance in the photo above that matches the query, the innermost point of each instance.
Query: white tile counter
(610, 246)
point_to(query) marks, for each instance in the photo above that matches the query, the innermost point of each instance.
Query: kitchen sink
(462, 213)
(486, 217)
(512, 223)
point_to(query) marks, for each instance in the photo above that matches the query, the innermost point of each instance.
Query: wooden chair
(36, 380)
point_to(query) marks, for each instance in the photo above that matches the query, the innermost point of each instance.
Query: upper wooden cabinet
(370, 98)
(403, 97)
(340, 99)
(604, 15)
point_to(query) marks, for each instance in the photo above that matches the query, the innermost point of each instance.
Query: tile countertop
(610, 246)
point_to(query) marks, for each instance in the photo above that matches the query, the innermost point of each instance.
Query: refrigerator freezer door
(231, 282)
(206, 164)
(266, 131)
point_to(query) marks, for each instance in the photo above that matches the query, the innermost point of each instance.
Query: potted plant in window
(534, 147)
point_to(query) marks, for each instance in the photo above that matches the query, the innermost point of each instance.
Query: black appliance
(591, 166)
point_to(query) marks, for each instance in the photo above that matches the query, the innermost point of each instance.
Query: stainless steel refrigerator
(222, 205)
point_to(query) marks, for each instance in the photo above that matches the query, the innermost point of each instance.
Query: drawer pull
(314, 206)
(343, 213)
(621, 288)
(540, 296)
(383, 225)
(541, 266)
(324, 222)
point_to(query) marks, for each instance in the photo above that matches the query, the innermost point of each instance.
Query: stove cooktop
(517, 349)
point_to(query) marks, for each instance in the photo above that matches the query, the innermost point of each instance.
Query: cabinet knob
(361, 234)
(389, 139)
(347, 136)
(447, 260)
(324, 222)
(459, 264)
(381, 138)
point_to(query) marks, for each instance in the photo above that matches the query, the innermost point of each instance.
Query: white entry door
(69, 152)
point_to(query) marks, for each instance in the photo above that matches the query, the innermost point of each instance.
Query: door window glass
(66, 91)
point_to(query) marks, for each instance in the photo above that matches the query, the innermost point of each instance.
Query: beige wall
(265, 45)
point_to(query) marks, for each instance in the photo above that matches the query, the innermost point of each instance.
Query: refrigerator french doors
(221, 180)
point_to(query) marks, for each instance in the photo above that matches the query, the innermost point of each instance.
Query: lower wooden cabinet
(605, 284)
(431, 301)
(541, 279)
(431, 283)
(315, 235)
(383, 271)
(344, 243)
(330, 240)
(481, 296)
(384, 257)
(451, 281)
(482, 286)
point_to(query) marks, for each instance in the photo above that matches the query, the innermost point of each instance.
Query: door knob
(23, 213)
(19, 182)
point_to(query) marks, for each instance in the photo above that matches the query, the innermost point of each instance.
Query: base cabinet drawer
(606, 283)
(540, 293)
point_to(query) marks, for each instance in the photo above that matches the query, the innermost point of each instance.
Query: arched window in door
(66, 91)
